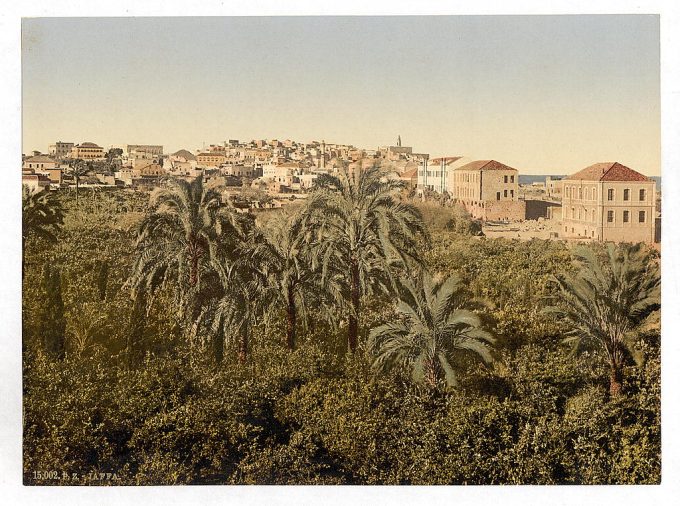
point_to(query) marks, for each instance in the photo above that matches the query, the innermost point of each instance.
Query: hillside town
(605, 201)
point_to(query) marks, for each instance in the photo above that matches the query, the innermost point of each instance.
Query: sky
(543, 94)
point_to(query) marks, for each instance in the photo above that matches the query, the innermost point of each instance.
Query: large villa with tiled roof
(609, 202)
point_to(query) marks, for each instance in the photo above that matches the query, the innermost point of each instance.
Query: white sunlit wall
(433, 177)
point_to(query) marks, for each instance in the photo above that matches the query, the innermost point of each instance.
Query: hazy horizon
(544, 94)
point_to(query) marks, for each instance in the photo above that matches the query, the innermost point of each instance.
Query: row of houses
(604, 201)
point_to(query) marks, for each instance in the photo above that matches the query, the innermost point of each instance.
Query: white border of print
(10, 294)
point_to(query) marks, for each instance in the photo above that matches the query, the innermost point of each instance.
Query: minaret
(399, 141)
(323, 154)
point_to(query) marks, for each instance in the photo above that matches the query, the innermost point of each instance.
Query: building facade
(211, 159)
(434, 174)
(488, 190)
(609, 202)
(60, 149)
(39, 162)
(151, 149)
(87, 151)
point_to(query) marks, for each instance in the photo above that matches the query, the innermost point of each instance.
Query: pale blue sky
(540, 93)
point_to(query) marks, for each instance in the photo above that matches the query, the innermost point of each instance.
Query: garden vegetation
(358, 337)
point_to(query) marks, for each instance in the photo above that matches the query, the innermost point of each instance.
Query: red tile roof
(485, 165)
(608, 171)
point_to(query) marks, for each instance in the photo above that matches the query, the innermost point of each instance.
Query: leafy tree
(52, 322)
(113, 157)
(366, 231)
(434, 332)
(42, 215)
(188, 226)
(604, 303)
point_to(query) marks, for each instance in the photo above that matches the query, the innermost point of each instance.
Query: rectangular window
(498, 195)
(610, 216)
(505, 179)
(610, 194)
(505, 193)
(512, 179)
(641, 216)
(512, 193)
(626, 216)
(626, 194)
(642, 194)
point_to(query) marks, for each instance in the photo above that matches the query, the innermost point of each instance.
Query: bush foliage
(316, 415)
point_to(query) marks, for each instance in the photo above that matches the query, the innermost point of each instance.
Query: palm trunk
(291, 320)
(193, 272)
(615, 379)
(243, 345)
(431, 371)
(353, 331)
(77, 186)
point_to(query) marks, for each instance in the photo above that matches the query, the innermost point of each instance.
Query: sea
(530, 179)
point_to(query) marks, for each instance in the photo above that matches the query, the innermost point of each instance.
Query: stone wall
(504, 210)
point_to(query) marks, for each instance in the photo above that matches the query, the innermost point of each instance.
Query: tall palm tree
(42, 215)
(604, 303)
(79, 169)
(283, 254)
(229, 319)
(365, 229)
(434, 331)
(188, 227)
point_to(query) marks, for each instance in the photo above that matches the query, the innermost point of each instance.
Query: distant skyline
(544, 94)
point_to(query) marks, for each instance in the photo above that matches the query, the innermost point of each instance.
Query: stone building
(152, 149)
(211, 159)
(39, 162)
(488, 190)
(60, 149)
(609, 202)
(87, 151)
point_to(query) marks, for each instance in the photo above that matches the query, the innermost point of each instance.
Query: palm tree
(365, 230)
(42, 215)
(435, 331)
(604, 303)
(187, 228)
(282, 253)
(230, 318)
(79, 169)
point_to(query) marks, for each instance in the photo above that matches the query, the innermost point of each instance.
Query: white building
(437, 174)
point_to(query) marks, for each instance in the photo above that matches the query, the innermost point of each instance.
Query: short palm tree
(365, 229)
(434, 332)
(604, 303)
(187, 228)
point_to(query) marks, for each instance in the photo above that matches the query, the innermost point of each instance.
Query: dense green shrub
(317, 416)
